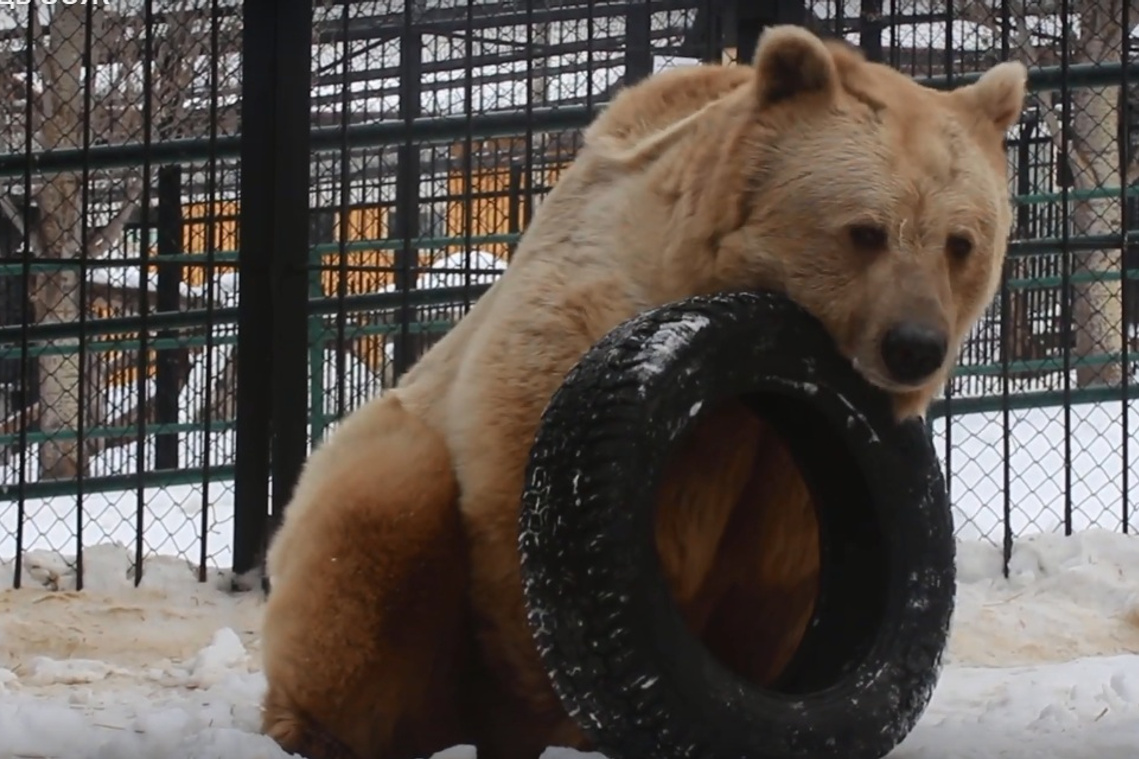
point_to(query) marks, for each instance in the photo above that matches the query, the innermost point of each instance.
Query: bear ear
(791, 62)
(999, 93)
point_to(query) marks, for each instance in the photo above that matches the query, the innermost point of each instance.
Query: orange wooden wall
(369, 269)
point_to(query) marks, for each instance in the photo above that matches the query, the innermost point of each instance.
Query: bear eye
(959, 246)
(868, 236)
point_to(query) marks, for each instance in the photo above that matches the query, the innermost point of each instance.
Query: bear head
(880, 205)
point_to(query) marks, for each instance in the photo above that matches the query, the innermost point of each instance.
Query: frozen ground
(1044, 664)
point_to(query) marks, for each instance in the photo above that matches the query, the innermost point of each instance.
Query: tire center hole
(749, 556)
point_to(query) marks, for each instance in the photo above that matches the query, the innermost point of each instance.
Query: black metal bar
(1026, 400)
(207, 471)
(638, 43)
(82, 390)
(289, 195)
(142, 368)
(514, 203)
(381, 134)
(948, 398)
(523, 180)
(118, 482)
(446, 128)
(26, 312)
(345, 203)
(255, 287)
(468, 178)
(1051, 245)
(202, 317)
(590, 52)
(498, 63)
(752, 18)
(895, 56)
(450, 20)
(1066, 272)
(870, 29)
(167, 364)
(712, 34)
(727, 13)
(1022, 215)
(406, 226)
(1125, 305)
(1049, 77)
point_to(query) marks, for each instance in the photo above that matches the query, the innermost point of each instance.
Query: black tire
(616, 649)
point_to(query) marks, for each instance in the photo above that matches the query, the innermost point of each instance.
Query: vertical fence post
(273, 259)
(514, 208)
(320, 229)
(730, 33)
(290, 190)
(254, 314)
(405, 227)
(707, 33)
(751, 18)
(870, 29)
(168, 360)
(638, 42)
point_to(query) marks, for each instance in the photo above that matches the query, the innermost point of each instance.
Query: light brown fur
(396, 624)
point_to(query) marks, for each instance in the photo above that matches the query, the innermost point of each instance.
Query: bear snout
(912, 351)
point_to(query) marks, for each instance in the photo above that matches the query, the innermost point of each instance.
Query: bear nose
(912, 351)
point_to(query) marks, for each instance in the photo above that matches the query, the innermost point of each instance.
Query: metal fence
(359, 171)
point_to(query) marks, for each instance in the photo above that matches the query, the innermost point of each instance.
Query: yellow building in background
(477, 205)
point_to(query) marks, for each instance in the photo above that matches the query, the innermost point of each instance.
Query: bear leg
(366, 633)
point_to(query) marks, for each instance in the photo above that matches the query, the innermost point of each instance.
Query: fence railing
(217, 240)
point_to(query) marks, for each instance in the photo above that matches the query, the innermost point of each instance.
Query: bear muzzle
(912, 352)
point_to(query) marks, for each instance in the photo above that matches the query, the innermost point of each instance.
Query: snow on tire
(618, 653)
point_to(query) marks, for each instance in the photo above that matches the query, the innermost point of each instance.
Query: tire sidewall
(667, 693)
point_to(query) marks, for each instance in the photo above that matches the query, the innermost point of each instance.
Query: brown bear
(395, 623)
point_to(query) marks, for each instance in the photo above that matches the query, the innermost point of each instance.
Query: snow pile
(1045, 663)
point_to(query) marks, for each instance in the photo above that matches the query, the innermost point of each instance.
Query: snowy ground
(1043, 664)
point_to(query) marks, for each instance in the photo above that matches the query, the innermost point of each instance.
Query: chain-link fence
(1036, 429)
(381, 159)
(116, 276)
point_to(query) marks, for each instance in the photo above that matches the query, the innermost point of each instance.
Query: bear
(395, 624)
